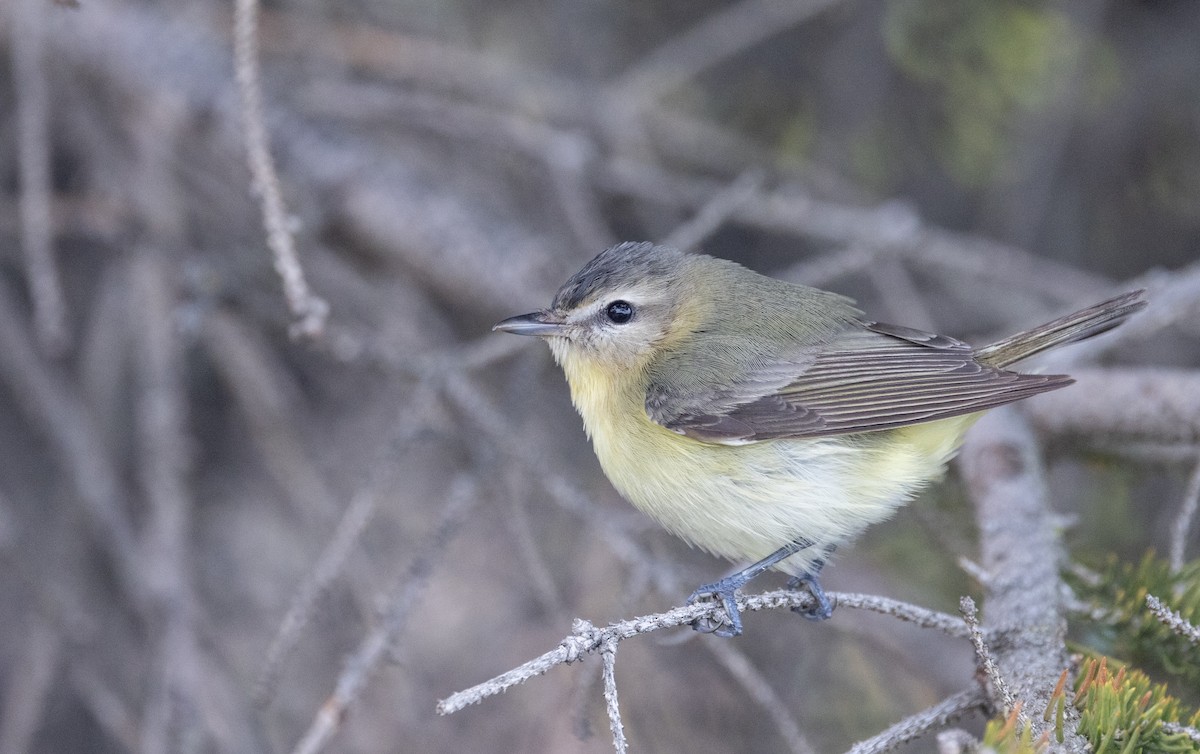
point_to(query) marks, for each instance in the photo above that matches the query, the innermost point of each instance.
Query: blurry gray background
(202, 519)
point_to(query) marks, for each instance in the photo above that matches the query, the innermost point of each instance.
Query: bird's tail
(1074, 327)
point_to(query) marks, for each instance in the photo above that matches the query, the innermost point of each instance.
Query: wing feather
(872, 377)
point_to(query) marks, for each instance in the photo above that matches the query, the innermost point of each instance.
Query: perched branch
(923, 617)
(587, 639)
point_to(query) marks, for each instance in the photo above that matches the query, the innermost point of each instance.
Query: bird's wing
(870, 377)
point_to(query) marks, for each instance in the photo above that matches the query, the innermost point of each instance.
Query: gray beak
(540, 324)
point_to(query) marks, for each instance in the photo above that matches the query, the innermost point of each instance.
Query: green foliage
(1004, 736)
(1119, 595)
(1125, 712)
(992, 63)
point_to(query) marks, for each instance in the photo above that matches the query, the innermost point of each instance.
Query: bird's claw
(724, 590)
(822, 608)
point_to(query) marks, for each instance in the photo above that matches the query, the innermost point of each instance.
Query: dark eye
(619, 312)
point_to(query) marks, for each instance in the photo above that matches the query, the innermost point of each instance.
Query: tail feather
(1069, 329)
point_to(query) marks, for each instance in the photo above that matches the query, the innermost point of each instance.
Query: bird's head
(626, 305)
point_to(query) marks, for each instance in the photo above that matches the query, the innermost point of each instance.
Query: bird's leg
(822, 609)
(726, 590)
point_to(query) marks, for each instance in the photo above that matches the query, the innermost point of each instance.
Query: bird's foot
(724, 590)
(822, 608)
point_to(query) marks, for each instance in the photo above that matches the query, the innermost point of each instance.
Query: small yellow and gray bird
(767, 421)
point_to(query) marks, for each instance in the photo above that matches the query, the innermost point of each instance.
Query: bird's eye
(619, 312)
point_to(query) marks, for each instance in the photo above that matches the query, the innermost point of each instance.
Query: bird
(765, 421)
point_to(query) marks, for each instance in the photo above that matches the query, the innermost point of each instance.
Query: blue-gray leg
(726, 590)
(822, 609)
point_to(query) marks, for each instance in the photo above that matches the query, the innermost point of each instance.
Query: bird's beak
(541, 324)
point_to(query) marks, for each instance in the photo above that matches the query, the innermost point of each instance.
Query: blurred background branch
(219, 537)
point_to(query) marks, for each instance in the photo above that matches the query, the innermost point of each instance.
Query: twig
(608, 653)
(533, 559)
(33, 152)
(51, 405)
(709, 218)
(890, 228)
(923, 617)
(914, 726)
(716, 38)
(740, 667)
(463, 496)
(984, 658)
(1176, 622)
(29, 684)
(329, 564)
(309, 309)
(106, 706)
(263, 390)
(1183, 521)
(160, 415)
(584, 642)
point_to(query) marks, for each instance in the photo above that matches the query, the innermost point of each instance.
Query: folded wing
(872, 377)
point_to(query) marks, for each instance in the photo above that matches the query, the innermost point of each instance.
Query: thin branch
(740, 667)
(890, 228)
(1173, 620)
(264, 392)
(164, 467)
(33, 152)
(907, 612)
(914, 726)
(106, 706)
(52, 406)
(714, 213)
(608, 653)
(309, 309)
(374, 648)
(718, 37)
(1183, 521)
(586, 638)
(984, 658)
(329, 564)
(29, 684)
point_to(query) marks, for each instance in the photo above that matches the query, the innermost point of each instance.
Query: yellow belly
(743, 502)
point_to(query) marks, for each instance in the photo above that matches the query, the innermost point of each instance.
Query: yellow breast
(744, 501)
